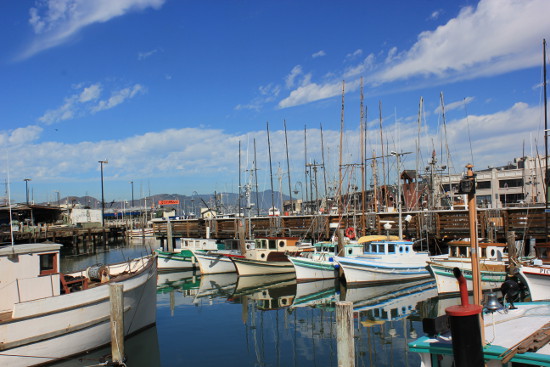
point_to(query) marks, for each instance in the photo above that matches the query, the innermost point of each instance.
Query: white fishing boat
(492, 265)
(320, 264)
(269, 256)
(536, 276)
(181, 257)
(384, 262)
(219, 261)
(46, 316)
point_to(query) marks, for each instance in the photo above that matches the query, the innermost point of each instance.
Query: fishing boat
(320, 264)
(47, 316)
(182, 256)
(535, 273)
(269, 256)
(219, 261)
(384, 262)
(492, 265)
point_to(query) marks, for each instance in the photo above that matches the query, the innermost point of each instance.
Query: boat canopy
(371, 238)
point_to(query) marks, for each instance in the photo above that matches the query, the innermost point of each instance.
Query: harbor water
(225, 320)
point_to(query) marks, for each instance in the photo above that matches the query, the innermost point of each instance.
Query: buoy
(350, 233)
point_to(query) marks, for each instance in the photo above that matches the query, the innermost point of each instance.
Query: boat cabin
(388, 248)
(29, 272)
(197, 244)
(274, 248)
(487, 250)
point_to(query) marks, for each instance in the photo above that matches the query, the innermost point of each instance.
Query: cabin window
(463, 251)
(400, 249)
(350, 251)
(407, 249)
(272, 244)
(48, 264)
(391, 248)
(281, 244)
(484, 252)
(381, 248)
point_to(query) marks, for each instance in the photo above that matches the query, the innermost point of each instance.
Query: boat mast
(270, 171)
(447, 149)
(305, 168)
(340, 183)
(256, 181)
(416, 191)
(363, 170)
(240, 187)
(547, 178)
(324, 170)
(383, 159)
(288, 171)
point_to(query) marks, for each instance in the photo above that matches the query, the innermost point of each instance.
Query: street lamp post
(102, 194)
(27, 188)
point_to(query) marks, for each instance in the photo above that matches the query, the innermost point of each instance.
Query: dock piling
(345, 345)
(117, 322)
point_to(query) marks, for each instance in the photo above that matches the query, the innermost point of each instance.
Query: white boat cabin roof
(29, 248)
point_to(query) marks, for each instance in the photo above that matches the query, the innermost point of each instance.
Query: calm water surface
(265, 321)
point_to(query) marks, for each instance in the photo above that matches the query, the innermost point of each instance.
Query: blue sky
(165, 89)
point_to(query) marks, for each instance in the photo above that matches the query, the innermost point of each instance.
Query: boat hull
(313, 269)
(365, 271)
(537, 279)
(175, 260)
(447, 283)
(54, 328)
(246, 267)
(211, 263)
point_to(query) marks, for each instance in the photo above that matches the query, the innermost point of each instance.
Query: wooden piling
(345, 345)
(116, 296)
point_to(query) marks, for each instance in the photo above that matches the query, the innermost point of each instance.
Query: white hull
(57, 327)
(447, 283)
(247, 267)
(214, 263)
(216, 285)
(359, 270)
(537, 279)
(313, 269)
(174, 261)
(315, 293)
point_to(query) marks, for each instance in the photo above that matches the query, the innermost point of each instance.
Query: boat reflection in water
(273, 320)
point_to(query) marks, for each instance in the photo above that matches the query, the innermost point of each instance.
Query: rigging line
(469, 135)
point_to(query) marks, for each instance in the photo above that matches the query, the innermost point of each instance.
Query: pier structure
(441, 225)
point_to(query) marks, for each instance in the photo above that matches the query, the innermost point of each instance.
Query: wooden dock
(526, 222)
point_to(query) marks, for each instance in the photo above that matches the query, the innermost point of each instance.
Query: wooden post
(170, 244)
(345, 345)
(116, 296)
(512, 253)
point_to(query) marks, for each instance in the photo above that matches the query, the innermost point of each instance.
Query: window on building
(516, 182)
(484, 184)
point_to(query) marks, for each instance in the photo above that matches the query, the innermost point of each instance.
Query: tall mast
(323, 158)
(416, 191)
(256, 181)
(363, 183)
(288, 171)
(547, 178)
(340, 183)
(383, 159)
(447, 150)
(240, 190)
(270, 170)
(305, 168)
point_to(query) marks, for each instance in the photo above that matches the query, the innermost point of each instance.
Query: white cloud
(118, 97)
(56, 21)
(497, 36)
(354, 54)
(294, 73)
(145, 55)
(435, 14)
(317, 54)
(313, 92)
(20, 136)
(86, 101)
(454, 105)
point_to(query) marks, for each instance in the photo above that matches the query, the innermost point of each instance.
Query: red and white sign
(168, 202)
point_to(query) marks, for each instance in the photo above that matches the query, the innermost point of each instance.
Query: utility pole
(27, 188)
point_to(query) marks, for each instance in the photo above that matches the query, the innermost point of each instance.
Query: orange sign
(168, 202)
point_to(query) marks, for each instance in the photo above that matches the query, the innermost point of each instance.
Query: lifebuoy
(350, 233)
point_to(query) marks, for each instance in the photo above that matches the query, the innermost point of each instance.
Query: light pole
(27, 188)
(132, 183)
(102, 194)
